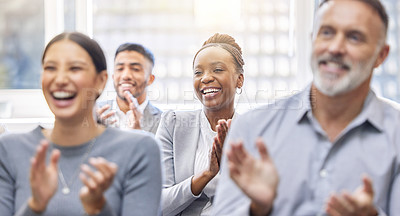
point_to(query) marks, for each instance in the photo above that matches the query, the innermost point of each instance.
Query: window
(386, 78)
(21, 43)
(175, 31)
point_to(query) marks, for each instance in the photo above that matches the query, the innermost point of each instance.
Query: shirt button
(323, 173)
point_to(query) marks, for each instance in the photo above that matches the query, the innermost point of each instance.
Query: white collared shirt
(123, 118)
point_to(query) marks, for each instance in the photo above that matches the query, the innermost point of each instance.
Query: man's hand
(258, 179)
(360, 203)
(106, 119)
(135, 116)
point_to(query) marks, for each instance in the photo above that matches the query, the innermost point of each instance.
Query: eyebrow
(213, 63)
(130, 64)
(217, 62)
(73, 62)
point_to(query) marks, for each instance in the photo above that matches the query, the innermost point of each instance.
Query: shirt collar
(305, 107)
(373, 111)
(369, 112)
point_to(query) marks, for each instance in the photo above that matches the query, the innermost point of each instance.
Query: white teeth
(62, 94)
(211, 90)
(335, 65)
(330, 76)
(126, 85)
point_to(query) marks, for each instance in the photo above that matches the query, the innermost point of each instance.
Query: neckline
(39, 131)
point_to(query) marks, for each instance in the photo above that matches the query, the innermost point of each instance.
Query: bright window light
(214, 13)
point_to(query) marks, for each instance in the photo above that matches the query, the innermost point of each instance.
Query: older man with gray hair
(334, 148)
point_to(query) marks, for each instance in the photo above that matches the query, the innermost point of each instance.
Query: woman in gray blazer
(192, 141)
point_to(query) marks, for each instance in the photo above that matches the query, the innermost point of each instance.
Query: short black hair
(137, 48)
(376, 5)
(91, 46)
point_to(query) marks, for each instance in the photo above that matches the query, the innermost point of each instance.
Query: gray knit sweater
(136, 189)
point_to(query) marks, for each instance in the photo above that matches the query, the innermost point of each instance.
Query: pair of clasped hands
(258, 179)
(110, 117)
(44, 180)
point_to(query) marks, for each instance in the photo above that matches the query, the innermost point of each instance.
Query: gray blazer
(179, 133)
(151, 116)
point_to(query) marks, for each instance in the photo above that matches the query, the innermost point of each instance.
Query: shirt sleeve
(394, 197)
(175, 197)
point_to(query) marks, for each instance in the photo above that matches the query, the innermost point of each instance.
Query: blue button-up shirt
(310, 166)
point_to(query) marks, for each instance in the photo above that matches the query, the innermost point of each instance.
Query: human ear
(151, 79)
(240, 81)
(101, 81)
(382, 55)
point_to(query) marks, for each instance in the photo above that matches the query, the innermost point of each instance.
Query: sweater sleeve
(142, 184)
(175, 197)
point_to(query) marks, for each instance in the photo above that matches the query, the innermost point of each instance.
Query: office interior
(275, 36)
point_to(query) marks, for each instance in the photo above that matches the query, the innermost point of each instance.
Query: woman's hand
(43, 179)
(213, 168)
(222, 130)
(200, 181)
(96, 183)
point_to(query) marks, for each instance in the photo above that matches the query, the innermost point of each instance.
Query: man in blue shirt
(334, 147)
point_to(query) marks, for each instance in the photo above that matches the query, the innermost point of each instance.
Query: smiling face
(215, 78)
(132, 72)
(70, 83)
(347, 45)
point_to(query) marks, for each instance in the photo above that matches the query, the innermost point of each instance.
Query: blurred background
(274, 36)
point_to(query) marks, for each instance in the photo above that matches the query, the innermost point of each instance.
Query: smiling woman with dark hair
(78, 167)
(192, 141)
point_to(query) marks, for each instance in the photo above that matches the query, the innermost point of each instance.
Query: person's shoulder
(16, 140)
(390, 108)
(181, 114)
(153, 109)
(130, 137)
(390, 104)
(275, 107)
(118, 145)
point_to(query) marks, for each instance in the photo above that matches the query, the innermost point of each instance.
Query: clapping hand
(134, 118)
(258, 179)
(43, 178)
(360, 203)
(96, 183)
(106, 119)
(218, 144)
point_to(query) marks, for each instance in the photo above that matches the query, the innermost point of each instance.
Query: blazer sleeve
(7, 185)
(176, 196)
